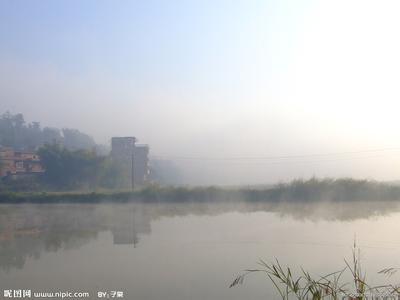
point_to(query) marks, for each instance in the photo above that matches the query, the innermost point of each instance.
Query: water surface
(186, 251)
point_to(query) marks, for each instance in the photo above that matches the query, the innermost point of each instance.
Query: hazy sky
(215, 79)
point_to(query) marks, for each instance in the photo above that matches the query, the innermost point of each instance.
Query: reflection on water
(28, 230)
(205, 232)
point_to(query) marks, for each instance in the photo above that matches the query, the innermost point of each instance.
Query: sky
(223, 88)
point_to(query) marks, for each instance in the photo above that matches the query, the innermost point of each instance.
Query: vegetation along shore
(311, 190)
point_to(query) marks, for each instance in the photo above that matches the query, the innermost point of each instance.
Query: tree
(70, 169)
(51, 136)
(15, 133)
(74, 139)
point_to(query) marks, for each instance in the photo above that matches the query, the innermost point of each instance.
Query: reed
(329, 287)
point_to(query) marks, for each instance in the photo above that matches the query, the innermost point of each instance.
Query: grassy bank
(298, 190)
(148, 194)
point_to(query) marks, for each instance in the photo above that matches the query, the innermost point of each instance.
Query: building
(141, 164)
(122, 147)
(133, 159)
(19, 163)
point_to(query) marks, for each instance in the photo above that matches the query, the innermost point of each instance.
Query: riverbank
(148, 194)
(298, 190)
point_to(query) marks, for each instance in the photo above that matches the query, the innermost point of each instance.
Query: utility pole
(133, 169)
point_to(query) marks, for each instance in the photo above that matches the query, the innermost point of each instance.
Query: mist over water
(186, 251)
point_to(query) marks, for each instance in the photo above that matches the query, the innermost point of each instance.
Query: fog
(224, 91)
(53, 228)
(188, 250)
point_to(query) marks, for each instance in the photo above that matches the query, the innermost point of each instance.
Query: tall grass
(330, 286)
(300, 191)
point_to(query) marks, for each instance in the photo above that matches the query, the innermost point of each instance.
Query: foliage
(74, 140)
(24, 184)
(328, 189)
(330, 286)
(83, 170)
(16, 133)
(70, 169)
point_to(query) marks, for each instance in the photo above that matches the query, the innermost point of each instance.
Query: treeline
(72, 159)
(76, 169)
(67, 170)
(16, 133)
